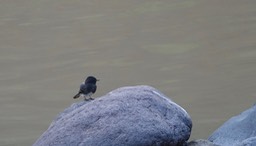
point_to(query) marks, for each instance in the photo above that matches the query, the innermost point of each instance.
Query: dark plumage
(87, 88)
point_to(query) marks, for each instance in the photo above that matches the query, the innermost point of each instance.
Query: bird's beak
(97, 80)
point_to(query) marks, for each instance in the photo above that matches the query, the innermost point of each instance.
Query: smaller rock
(237, 129)
(201, 142)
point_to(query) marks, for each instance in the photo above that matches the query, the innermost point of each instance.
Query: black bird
(87, 88)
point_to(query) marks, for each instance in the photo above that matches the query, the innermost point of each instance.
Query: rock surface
(248, 142)
(201, 142)
(128, 116)
(239, 130)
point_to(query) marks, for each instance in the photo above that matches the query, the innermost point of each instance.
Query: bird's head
(91, 79)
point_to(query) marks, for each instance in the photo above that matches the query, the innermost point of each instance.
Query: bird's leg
(85, 99)
(90, 97)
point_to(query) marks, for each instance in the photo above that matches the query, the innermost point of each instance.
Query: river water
(200, 53)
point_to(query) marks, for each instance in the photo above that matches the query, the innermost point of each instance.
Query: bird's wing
(84, 89)
(87, 88)
(94, 88)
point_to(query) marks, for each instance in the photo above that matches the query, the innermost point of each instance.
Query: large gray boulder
(239, 130)
(128, 116)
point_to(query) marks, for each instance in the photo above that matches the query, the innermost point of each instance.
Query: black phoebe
(87, 88)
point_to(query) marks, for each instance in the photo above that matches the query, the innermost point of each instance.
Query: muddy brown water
(201, 53)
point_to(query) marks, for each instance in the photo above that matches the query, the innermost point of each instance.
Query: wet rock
(237, 129)
(134, 116)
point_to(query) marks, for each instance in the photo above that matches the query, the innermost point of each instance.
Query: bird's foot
(88, 99)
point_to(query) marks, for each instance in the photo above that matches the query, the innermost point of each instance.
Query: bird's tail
(77, 95)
